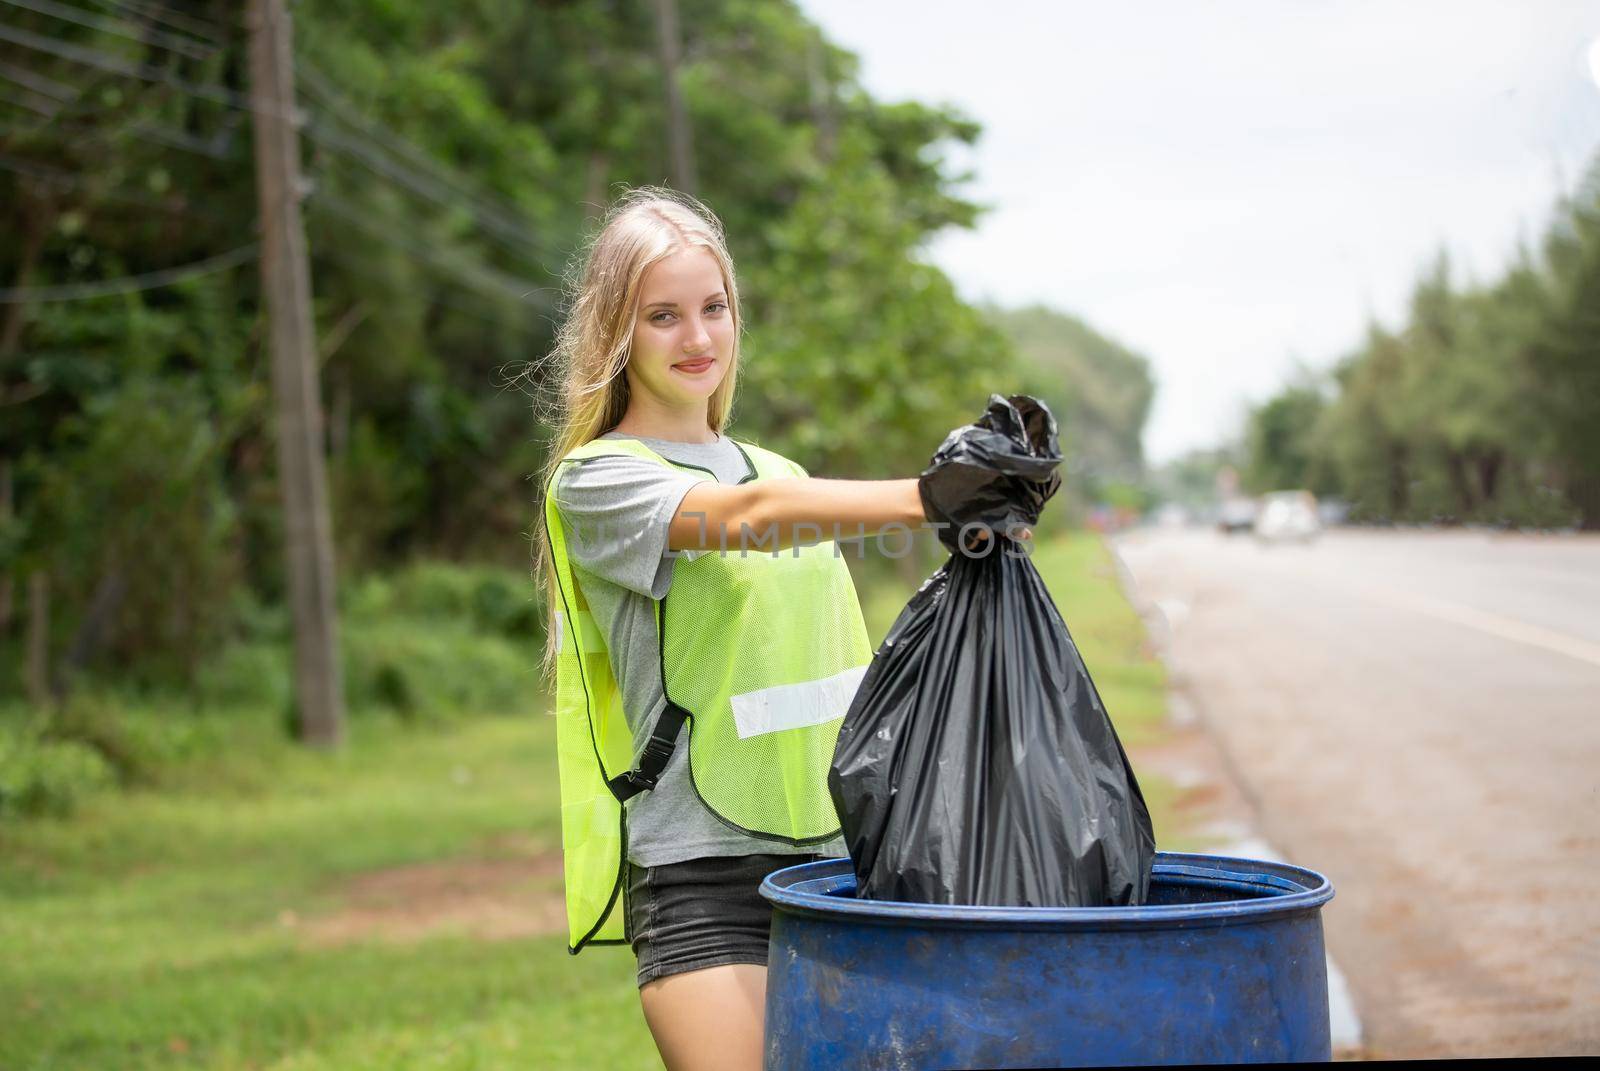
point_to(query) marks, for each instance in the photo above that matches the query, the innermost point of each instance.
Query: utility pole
(286, 286)
(680, 138)
(821, 97)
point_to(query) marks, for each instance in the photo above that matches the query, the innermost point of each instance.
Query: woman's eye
(716, 305)
(657, 317)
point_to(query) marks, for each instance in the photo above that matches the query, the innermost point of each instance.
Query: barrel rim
(1289, 889)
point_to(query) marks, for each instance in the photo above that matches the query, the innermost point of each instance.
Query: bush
(41, 776)
(252, 673)
(434, 673)
(137, 740)
(431, 643)
(483, 597)
(131, 499)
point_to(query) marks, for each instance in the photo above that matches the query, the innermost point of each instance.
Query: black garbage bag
(976, 764)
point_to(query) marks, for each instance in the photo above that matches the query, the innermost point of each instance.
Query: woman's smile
(695, 365)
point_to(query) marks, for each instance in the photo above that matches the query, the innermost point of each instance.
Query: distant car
(1171, 515)
(1287, 516)
(1236, 515)
(1332, 511)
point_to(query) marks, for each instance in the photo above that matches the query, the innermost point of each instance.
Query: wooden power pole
(286, 286)
(680, 136)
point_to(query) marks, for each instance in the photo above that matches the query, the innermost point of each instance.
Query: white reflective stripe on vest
(588, 629)
(793, 706)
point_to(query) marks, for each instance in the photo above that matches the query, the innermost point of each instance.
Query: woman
(696, 730)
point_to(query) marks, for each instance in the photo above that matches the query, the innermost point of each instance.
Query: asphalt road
(1417, 715)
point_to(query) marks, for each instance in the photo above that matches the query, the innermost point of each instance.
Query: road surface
(1417, 715)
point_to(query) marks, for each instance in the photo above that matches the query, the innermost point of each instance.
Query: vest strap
(657, 752)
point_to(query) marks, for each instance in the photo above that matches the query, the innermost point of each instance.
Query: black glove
(996, 472)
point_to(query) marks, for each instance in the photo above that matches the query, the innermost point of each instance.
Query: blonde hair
(589, 392)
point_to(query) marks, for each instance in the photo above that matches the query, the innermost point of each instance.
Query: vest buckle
(653, 760)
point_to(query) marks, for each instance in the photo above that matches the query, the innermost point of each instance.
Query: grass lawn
(394, 905)
(192, 927)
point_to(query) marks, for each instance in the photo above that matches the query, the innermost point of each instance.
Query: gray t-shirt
(623, 506)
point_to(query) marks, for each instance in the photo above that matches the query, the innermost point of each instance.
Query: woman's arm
(791, 509)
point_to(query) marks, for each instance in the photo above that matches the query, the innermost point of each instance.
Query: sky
(1235, 189)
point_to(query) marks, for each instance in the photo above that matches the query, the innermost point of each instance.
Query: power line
(510, 238)
(145, 72)
(165, 16)
(442, 188)
(37, 82)
(75, 93)
(26, 99)
(481, 278)
(507, 233)
(79, 17)
(215, 147)
(63, 179)
(42, 172)
(132, 283)
(323, 87)
(342, 256)
(471, 277)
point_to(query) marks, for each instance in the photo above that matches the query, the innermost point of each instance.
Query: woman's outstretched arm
(778, 513)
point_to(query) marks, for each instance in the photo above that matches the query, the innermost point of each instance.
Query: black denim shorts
(701, 912)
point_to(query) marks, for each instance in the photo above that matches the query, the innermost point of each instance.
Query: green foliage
(1483, 408)
(1565, 357)
(1132, 496)
(1100, 390)
(455, 156)
(1278, 438)
(431, 641)
(136, 739)
(429, 672)
(41, 775)
(1191, 480)
(869, 357)
(484, 598)
(128, 505)
(247, 672)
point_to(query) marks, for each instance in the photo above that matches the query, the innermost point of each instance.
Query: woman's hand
(981, 536)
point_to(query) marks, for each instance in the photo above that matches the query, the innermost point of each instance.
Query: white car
(1236, 515)
(1286, 516)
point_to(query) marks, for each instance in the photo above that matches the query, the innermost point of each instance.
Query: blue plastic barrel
(1225, 964)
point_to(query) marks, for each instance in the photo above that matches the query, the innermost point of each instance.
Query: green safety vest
(761, 654)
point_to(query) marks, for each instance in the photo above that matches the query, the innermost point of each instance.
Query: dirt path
(508, 889)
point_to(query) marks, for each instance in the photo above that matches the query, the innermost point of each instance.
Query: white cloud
(1228, 186)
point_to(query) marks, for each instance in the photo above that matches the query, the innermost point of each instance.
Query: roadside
(1415, 710)
(1216, 811)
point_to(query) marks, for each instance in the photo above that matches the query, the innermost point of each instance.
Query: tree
(1279, 445)
(1100, 391)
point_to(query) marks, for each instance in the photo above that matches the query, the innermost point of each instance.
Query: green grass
(148, 930)
(166, 926)
(1132, 683)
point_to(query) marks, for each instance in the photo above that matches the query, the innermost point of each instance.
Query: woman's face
(683, 330)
